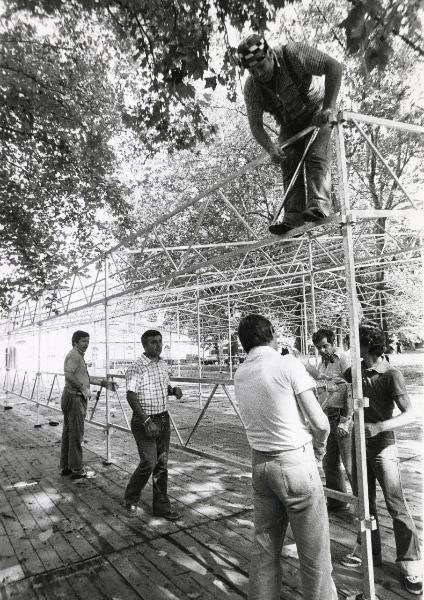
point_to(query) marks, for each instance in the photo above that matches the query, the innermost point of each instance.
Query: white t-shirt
(265, 387)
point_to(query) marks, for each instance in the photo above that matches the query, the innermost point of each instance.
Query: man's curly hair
(373, 339)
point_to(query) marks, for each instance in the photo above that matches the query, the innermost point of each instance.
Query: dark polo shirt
(382, 384)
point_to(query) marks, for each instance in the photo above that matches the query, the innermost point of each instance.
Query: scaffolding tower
(202, 287)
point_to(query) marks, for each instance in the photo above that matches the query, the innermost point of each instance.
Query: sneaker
(313, 214)
(171, 515)
(131, 509)
(354, 560)
(65, 472)
(83, 474)
(351, 561)
(413, 584)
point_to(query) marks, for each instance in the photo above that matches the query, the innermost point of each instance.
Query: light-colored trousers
(288, 489)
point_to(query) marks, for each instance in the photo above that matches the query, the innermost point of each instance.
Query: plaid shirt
(149, 380)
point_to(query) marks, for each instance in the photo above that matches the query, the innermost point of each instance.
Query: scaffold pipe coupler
(360, 403)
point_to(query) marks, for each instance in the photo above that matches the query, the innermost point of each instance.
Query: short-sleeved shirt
(149, 380)
(75, 365)
(266, 385)
(309, 64)
(381, 384)
(341, 362)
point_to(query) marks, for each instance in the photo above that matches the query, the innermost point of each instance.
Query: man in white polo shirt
(287, 431)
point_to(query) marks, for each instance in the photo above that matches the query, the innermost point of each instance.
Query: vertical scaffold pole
(364, 520)
(198, 343)
(38, 375)
(108, 460)
(313, 304)
(8, 363)
(134, 333)
(230, 356)
(305, 318)
(178, 343)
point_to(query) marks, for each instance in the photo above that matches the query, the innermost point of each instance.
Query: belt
(161, 415)
(278, 452)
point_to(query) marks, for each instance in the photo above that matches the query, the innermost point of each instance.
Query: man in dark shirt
(286, 81)
(385, 387)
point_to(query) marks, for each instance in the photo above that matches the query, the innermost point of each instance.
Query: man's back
(265, 386)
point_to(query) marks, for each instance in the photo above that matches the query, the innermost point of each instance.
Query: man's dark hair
(148, 334)
(323, 333)
(373, 339)
(255, 330)
(78, 335)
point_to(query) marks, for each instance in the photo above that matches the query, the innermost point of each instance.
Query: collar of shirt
(330, 359)
(145, 360)
(79, 351)
(380, 366)
(260, 351)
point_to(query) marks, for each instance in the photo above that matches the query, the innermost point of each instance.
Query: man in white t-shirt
(286, 429)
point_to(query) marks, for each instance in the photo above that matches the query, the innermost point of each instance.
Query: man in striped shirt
(286, 82)
(148, 389)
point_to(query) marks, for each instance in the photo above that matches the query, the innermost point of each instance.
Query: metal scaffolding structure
(201, 287)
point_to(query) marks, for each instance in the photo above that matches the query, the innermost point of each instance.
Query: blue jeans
(287, 489)
(153, 452)
(74, 408)
(315, 189)
(338, 450)
(383, 466)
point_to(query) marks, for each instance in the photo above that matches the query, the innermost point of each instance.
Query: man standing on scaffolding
(286, 82)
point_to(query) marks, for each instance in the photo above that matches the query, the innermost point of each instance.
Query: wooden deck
(72, 539)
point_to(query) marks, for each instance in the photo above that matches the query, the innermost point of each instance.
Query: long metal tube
(359, 428)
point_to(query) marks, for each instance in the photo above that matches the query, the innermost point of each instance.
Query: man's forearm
(261, 136)
(333, 79)
(405, 418)
(135, 404)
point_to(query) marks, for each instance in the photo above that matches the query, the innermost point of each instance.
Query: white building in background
(124, 346)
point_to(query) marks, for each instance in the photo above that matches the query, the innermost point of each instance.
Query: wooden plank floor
(72, 539)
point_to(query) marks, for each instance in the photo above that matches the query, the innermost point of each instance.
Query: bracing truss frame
(171, 265)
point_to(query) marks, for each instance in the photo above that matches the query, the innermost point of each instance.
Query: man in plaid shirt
(298, 84)
(148, 389)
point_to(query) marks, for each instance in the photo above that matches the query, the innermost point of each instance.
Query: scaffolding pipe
(198, 345)
(230, 357)
(106, 315)
(358, 401)
(305, 317)
(313, 304)
(178, 343)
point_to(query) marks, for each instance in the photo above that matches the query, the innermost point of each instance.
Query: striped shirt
(149, 380)
(307, 61)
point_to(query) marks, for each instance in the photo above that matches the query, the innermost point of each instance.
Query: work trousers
(153, 453)
(287, 489)
(338, 451)
(383, 466)
(74, 408)
(314, 189)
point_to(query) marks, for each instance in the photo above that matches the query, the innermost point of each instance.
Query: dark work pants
(316, 192)
(153, 454)
(383, 466)
(338, 450)
(74, 408)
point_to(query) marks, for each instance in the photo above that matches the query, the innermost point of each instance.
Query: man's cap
(252, 50)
